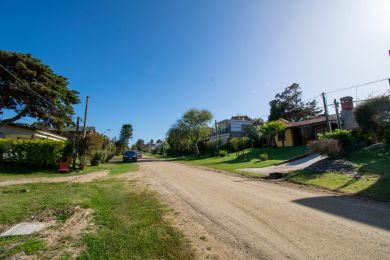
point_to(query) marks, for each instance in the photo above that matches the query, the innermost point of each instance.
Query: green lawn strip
(14, 172)
(116, 167)
(249, 159)
(373, 166)
(130, 220)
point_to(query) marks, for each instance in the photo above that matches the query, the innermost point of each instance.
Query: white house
(23, 131)
(229, 128)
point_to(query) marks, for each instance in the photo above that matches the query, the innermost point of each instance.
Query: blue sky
(147, 62)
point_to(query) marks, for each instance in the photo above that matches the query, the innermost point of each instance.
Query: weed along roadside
(120, 219)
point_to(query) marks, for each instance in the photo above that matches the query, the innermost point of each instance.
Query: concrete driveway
(299, 164)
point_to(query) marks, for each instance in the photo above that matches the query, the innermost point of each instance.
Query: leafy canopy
(30, 88)
(195, 123)
(125, 135)
(273, 128)
(373, 117)
(289, 106)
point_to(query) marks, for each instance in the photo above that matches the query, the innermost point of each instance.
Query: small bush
(263, 157)
(330, 147)
(345, 136)
(222, 153)
(97, 158)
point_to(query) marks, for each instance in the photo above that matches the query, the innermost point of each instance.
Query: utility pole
(85, 117)
(75, 142)
(326, 112)
(336, 106)
(217, 135)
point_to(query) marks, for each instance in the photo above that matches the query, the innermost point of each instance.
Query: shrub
(343, 135)
(98, 157)
(373, 117)
(222, 153)
(88, 146)
(95, 161)
(109, 156)
(330, 147)
(263, 157)
(38, 152)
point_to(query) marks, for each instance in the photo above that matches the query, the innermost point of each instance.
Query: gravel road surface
(227, 216)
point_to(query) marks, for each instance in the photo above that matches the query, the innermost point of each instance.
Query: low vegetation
(250, 158)
(373, 179)
(128, 221)
(116, 166)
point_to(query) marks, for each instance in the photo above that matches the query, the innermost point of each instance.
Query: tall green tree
(30, 88)
(289, 106)
(195, 124)
(124, 137)
(140, 144)
(178, 141)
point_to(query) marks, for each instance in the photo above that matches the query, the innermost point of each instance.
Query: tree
(289, 106)
(241, 117)
(140, 144)
(195, 123)
(125, 135)
(178, 141)
(373, 117)
(30, 88)
(87, 146)
(271, 129)
(254, 134)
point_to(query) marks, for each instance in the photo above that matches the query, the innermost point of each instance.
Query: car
(129, 156)
(139, 154)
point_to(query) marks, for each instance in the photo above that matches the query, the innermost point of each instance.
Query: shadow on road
(371, 213)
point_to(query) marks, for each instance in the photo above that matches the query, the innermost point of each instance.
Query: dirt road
(232, 217)
(88, 177)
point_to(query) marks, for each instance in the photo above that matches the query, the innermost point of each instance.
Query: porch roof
(314, 121)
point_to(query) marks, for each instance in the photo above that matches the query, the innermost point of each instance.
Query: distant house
(229, 128)
(69, 132)
(24, 131)
(300, 133)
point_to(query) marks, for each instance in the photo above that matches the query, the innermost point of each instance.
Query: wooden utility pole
(326, 112)
(75, 142)
(85, 117)
(216, 134)
(336, 106)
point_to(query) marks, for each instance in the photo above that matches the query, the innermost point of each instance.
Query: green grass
(115, 166)
(373, 165)
(130, 220)
(249, 159)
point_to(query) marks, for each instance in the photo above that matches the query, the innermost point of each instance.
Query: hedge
(38, 152)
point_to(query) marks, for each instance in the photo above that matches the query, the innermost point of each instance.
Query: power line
(360, 85)
(33, 91)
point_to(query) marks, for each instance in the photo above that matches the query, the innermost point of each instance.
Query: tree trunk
(196, 148)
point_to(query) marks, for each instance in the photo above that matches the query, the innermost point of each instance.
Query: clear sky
(147, 61)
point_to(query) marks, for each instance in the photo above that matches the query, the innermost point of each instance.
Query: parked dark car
(129, 156)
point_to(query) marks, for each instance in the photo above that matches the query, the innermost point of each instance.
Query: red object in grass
(64, 164)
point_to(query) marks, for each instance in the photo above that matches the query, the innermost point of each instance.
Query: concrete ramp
(299, 164)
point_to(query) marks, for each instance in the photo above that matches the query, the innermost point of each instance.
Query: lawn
(249, 159)
(373, 165)
(115, 166)
(129, 221)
